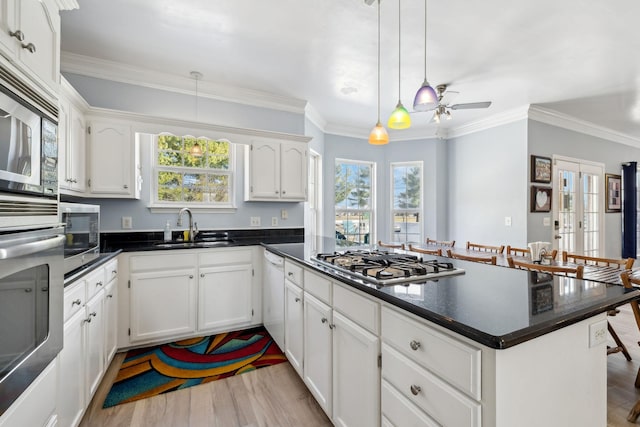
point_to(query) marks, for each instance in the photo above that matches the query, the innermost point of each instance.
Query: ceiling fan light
(400, 118)
(426, 98)
(448, 115)
(378, 135)
(436, 116)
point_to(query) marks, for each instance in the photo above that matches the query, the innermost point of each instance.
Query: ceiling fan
(444, 107)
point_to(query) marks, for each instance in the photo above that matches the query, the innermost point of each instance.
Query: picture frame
(613, 193)
(540, 169)
(541, 199)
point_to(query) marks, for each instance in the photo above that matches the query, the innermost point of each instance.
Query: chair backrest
(485, 248)
(525, 252)
(425, 251)
(493, 259)
(624, 264)
(447, 243)
(391, 245)
(577, 271)
(628, 281)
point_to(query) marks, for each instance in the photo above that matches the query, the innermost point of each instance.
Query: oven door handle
(31, 247)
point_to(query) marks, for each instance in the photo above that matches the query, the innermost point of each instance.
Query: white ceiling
(577, 57)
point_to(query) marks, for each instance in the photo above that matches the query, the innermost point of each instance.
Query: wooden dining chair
(493, 259)
(577, 271)
(485, 248)
(437, 252)
(624, 264)
(628, 281)
(526, 252)
(446, 243)
(391, 245)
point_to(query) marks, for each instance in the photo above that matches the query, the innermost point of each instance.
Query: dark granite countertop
(496, 306)
(85, 269)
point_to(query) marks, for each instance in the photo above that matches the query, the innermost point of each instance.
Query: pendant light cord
(379, 61)
(425, 40)
(399, 51)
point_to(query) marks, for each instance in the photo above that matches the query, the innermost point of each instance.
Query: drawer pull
(30, 47)
(98, 283)
(114, 272)
(76, 302)
(17, 34)
(92, 314)
(324, 320)
(415, 389)
(290, 273)
(415, 345)
(109, 296)
(297, 299)
(87, 320)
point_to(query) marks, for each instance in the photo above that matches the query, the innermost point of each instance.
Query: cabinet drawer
(293, 272)
(455, 362)
(399, 412)
(225, 257)
(74, 298)
(95, 281)
(111, 270)
(154, 262)
(361, 310)
(439, 400)
(317, 286)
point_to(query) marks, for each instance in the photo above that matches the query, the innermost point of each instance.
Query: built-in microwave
(82, 234)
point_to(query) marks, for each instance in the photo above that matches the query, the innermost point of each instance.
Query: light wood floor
(276, 396)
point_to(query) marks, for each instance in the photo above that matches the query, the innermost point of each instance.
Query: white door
(94, 339)
(111, 321)
(111, 158)
(294, 325)
(224, 296)
(318, 351)
(578, 207)
(70, 398)
(264, 170)
(293, 171)
(273, 298)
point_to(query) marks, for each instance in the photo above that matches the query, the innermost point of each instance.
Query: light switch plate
(284, 214)
(274, 221)
(507, 221)
(255, 221)
(127, 223)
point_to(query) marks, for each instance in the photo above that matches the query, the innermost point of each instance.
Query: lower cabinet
(318, 344)
(294, 326)
(94, 346)
(71, 396)
(111, 319)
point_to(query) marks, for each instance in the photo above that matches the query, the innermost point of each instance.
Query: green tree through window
(353, 201)
(407, 202)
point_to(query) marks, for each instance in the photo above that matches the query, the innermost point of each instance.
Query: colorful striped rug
(150, 371)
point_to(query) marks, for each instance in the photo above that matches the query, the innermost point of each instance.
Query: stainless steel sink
(197, 244)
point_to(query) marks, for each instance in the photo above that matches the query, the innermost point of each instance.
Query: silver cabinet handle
(297, 299)
(284, 192)
(277, 192)
(109, 296)
(324, 320)
(98, 283)
(87, 320)
(17, 34)
(332, 325)
(93, 314)
(201, 274)
(76, 302)
(415, 389)
(30, 47)
(125, 186)
(290, 273)
(114, 272)
(414, 345)
(191, 276)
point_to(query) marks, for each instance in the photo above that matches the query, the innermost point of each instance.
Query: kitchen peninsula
(494, 346)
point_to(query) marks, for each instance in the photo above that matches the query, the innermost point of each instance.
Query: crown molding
(555, 118)
(496, 120)
(124, 73)
(315, 117)
(67, 4)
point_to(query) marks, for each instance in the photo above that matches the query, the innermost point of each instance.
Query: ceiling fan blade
(448, 97)
(471, 105)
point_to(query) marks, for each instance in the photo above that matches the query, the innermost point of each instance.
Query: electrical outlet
(597, 333)
(127, 222)
(284, 214)
(274, 221)
(255, 221)
(507, 221)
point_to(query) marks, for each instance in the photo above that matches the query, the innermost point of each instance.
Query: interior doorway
(578, 206)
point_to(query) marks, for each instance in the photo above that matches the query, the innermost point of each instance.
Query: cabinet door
(225, 296)
(273, 302)
(111, 321)
(356, 376)
(8, 20)
(94, 336)
(111, 159)
(76, 156)
(264, 170)
(318, 351)
(39, 21)
(293, 172)
(293, 325)
(64, 177)
(162, 304)
(71, 398)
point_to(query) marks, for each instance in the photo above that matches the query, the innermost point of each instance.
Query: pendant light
(400, 118)
(378, 135)
(426, 97)
(196, 150)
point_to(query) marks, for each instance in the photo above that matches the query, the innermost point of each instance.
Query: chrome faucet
(193, 227)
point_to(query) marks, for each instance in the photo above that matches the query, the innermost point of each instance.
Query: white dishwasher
(273, 297)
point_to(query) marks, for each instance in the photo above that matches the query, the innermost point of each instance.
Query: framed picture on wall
(540, 199)
(540, 169)
(613, 185)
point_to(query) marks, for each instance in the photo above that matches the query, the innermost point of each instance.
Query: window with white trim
(406, 196)
(194, 172)
(354, 202)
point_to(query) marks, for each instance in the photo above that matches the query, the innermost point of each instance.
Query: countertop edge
(87, 268)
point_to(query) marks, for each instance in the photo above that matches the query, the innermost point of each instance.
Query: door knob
(557, 236)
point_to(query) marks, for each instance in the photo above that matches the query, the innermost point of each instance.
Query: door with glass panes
(578, 207)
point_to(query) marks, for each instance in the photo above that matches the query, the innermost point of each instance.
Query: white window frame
(372, 210)
(206, 207)
(419, 210)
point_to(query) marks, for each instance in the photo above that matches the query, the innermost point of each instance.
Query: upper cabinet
(276, 171)
(114, 159)
(72, 131)
(30, 40)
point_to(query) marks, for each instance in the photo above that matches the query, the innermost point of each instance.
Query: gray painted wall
(487, 181)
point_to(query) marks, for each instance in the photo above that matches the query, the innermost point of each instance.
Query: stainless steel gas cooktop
(387, 268)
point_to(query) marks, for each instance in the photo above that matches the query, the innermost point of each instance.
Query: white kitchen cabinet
(276, 171)
(356, 376)
(111, 320)
(30, 40)
(113, 159)
(318, 344)
(94, 335)
(71, 395)
(294, 325)
(273, 297)
(71, 141)
(224, 296)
